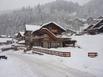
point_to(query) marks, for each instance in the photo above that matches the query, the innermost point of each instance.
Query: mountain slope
(94, 8)
(60, 11)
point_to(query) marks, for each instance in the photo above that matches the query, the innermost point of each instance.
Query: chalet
(48, 35)
(29, 29)
(95, 28)
(19, 36)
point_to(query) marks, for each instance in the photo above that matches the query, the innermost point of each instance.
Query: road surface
(43, 68)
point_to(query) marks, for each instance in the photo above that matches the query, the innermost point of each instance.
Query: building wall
(52, 44)
(47, 42)
(48, 39)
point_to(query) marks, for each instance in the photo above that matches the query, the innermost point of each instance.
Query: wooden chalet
(29, 29)
(49, 36)
(19, 36)
(95, 28)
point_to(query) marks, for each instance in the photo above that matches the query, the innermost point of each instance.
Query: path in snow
(41, 68)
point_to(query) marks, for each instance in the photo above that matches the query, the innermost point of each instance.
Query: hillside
(94, 8)
(60, 11)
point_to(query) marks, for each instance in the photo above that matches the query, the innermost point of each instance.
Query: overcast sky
(14, 4)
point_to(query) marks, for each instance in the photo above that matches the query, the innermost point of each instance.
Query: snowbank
(79, 60)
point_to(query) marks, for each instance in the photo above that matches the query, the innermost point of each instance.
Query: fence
(52, 52)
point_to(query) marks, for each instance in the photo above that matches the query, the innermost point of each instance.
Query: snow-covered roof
(97, 21)
(32, 27)
(63, 36)
(86, 26)
(100, 27)
(23, 41)
(22, 33)
(53, 23)
(70, 29)
(91, 26)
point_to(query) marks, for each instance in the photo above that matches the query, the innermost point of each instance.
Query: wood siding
(46, 36)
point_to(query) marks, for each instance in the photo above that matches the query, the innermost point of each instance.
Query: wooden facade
(47, 36)
(19, 36)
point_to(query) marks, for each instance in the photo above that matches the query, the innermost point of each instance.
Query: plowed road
(36, 67)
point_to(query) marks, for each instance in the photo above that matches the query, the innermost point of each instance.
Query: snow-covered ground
(78, 65)
(5, 39)
(24, 65)
(80, 59)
